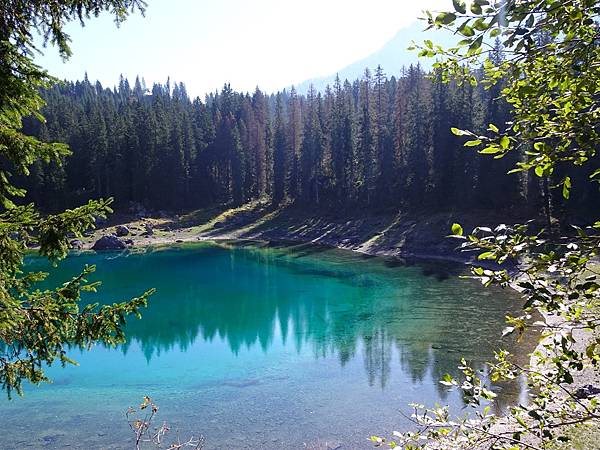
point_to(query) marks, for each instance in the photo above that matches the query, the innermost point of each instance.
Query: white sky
(205, 43)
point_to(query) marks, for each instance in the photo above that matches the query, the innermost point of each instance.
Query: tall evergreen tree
(280, 153)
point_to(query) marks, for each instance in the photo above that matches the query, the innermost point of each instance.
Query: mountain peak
(392, 57)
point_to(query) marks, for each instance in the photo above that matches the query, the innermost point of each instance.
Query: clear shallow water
(264, 348)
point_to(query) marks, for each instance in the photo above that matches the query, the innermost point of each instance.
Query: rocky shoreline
(386, 234)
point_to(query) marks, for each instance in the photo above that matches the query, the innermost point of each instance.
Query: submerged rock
(122, 230)
(109, 242)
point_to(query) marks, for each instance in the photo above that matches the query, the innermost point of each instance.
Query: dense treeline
(375, 142)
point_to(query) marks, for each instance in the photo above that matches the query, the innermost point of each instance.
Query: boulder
(76, 244)
(101, 221)
(121, 231)
(587, 391)
(109, 242)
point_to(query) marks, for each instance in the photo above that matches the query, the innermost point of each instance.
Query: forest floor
(378, 233)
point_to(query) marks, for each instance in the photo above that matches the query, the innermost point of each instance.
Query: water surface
(258, 347)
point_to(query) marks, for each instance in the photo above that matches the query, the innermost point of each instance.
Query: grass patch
(202, 220)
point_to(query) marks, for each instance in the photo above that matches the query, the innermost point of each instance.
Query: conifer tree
(280, 153)
(38, 327)
(366, 155)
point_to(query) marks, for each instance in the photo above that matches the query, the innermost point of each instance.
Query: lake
(257, 346)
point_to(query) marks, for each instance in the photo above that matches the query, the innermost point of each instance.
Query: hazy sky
(205, 43)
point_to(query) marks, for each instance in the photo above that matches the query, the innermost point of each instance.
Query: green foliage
(38, 327)
(551, 79)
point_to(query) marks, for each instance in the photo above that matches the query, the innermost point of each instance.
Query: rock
(587, 391)
(179, 241)
(129, 242)
(109, 242)
(76, 244)
(122, 230)
(218, 225)
(101, 221)
(149, 231)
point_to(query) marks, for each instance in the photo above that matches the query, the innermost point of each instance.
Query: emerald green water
(263, 348)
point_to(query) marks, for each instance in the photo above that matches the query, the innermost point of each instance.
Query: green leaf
(445, 18)
(491, 150)
(566, 191)
(457, 230)
(466, 30)
(460, 6)
(480, 25)
(475, 46)
(447, 380)
(504, 142)
(521, 422)
(539, 171)
(457, 132)
(487, 255)
(474, 143)
(493, 128)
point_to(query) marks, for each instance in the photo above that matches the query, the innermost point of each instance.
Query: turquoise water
(263, 347)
